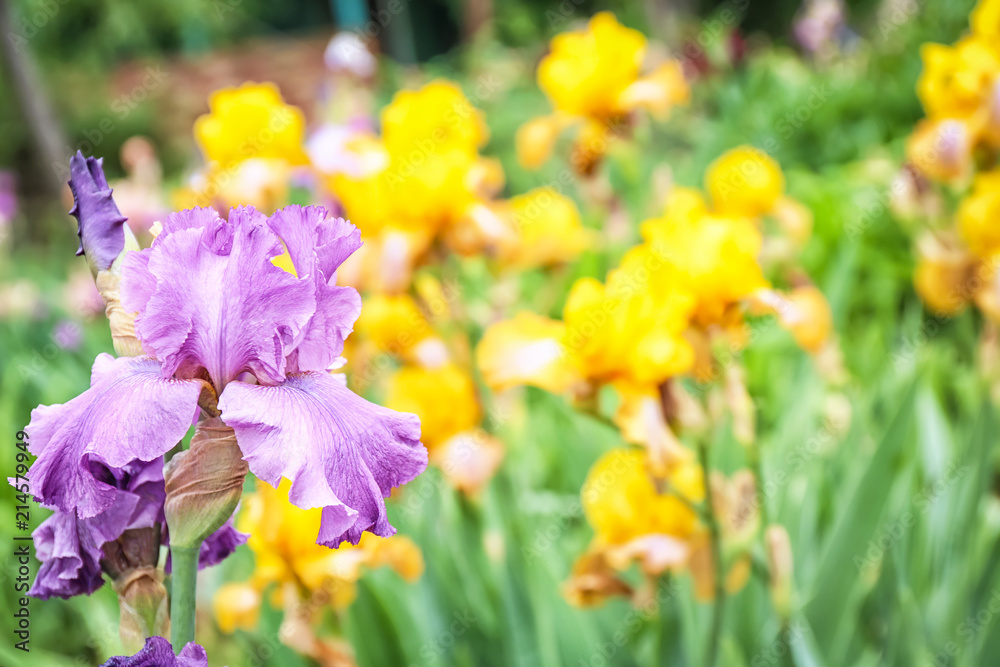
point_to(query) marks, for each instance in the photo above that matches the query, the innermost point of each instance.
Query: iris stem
(184, 582)
(715, 633)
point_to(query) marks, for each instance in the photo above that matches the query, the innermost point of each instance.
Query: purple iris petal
(70, 558)
(340, 452)
(317, 246)
(69, 547)
(208, 296)
(159, 653)
(101, 224)
(130, 412)
(217, 546)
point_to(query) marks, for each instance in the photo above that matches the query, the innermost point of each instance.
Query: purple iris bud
(159, 653)
(213, 309)
(101, 224)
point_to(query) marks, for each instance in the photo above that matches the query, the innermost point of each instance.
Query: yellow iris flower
(251, 121)
(444, 398)
(283, 541)
(594, 78)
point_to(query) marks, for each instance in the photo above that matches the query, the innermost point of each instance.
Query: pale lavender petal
(317, 246)
(339, 451)
(313, 240)
(208, 297)
(101, 224)
(130, 412)
(159, 653)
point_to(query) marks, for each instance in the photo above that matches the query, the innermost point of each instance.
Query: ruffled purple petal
(101, 224)
(130, 412)
(159, 653)
(318, 246)
(315, 242)
(340, 452)
(70, 558)
(208, 297)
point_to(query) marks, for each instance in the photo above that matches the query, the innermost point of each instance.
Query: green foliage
(892, 523)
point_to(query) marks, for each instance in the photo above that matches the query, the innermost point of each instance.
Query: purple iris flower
(159, 653)
(215, 315)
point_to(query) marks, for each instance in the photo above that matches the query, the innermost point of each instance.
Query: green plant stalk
(753, 453)
(715, 538)
(184, 582)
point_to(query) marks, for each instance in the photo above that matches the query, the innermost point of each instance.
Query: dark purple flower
(69, 547)
(101, 224)
(211, 304)
(159, 653)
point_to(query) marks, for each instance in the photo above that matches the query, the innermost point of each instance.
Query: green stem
(753, 454)
(184, 582)
(715, 633)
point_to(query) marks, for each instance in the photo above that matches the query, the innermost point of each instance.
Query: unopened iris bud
(105, 239)
(131, 563)
(204, 484)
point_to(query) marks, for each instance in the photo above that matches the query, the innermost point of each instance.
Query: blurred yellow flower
(979, 215)
(444, 398)
(537, 137)
(658, 92)
(941, 149)
(545, 228)
(394, 323)
(420, 181)
(236, 606)
(527, 349)
(622, 502)
(593, 78)
(251, 121)
(432, 136)
(985, 19)
(283, 541)
(586, 72)
(716, 258)
(956, 79)
(806, 314)
(631, 327)
(945, 274)
(745, 181)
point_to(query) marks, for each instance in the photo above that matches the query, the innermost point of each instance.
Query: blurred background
(827, 88)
